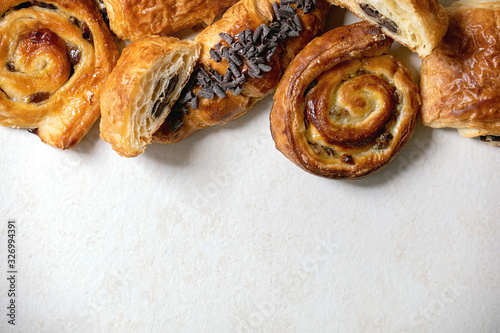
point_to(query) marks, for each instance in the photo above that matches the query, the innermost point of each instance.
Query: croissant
(344, 107)
(136, 19)
(418, 24)
(142, 88)
(243, 56)
(55, 57)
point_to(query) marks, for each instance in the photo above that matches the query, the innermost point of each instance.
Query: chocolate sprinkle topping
(253, 48)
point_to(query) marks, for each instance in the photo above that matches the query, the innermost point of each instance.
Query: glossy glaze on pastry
(243, 57)
(344, 107)
(136, 19)
(417, 24)
(461, 78)
(55, 56)
(142, 88)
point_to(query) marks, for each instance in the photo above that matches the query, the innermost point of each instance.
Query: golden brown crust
(136, 19)
(142, 88)
(55, 58)
(461, 78)
(344, 108)
(418, 24)
(243, 15)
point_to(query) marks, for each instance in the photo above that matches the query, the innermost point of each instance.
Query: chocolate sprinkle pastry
(253, 48)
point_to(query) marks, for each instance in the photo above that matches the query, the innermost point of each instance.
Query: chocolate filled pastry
(136, 19)
(54, 58)
(243, 57)
(344, 107)
(142, 88)
(461, 78)
(417, 24)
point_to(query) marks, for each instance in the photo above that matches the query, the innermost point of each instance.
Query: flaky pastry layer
(142, 88)
(136, 19)
(461, 78)
(418, 24)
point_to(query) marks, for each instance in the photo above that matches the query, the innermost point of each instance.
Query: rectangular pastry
(418, 24)
(460, 83)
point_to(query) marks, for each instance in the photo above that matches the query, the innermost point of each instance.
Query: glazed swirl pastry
(54, 58)
(344, 108)
(243, 56)
(136, 19)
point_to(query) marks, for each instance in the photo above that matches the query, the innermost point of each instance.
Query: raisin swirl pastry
(461, 78)
(344, 107)
(418, 24)
(142, 88)
(136, 19)
(54, 58)
(243, 56)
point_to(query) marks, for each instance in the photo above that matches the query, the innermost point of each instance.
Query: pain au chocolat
(344, 108)
(461, 78)
(136, 19)
(142, 88)
(417, 24)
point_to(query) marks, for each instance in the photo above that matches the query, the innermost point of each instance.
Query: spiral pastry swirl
(345, 107)
(54, 58)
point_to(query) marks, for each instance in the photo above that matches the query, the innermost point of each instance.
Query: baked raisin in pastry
(54, 58)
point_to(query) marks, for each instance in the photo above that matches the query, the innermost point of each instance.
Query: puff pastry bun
(417, 24)
(259, 37)
(142, 88)
(344, 107)
(461, 78)
(54, 56)
(136, 19)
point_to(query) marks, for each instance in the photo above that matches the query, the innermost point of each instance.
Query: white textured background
(221, 233)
